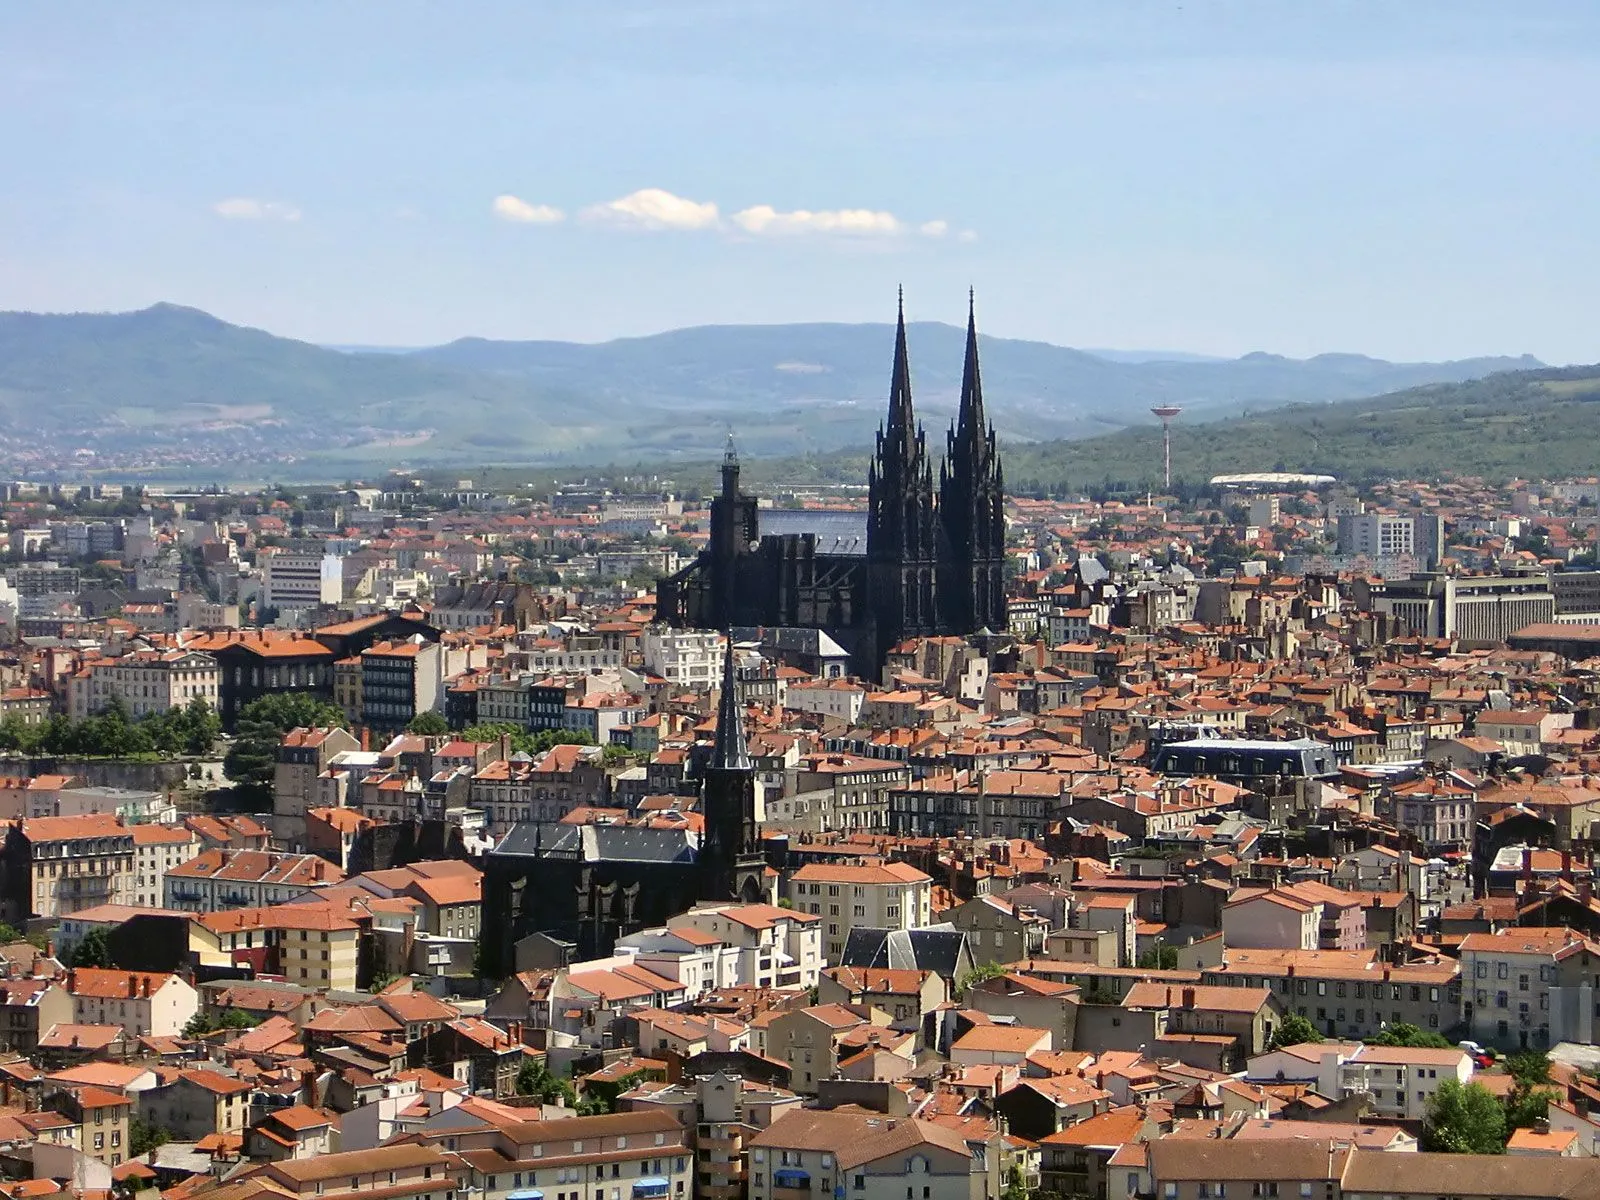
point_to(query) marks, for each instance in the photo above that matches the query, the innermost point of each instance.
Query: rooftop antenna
(1166, 412)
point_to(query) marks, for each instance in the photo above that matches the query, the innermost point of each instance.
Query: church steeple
(971, 508)
(902, 526)
(900, 430)
(971, 424)
(731, 751)
(730, 861)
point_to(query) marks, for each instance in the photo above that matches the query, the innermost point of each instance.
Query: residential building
(157, 849)
(772, 946)
(143, 1003)
(319, 946)
(51, 866)
(303, 755)
(143, 682)
(811, 1154)
(888, 896)
(683, 657)
(198, 1103)
(1528, 987)
(400, 679)
(293, 580)
(1349, 993)
(214, 880)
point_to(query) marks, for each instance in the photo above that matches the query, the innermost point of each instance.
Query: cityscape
(556, 697)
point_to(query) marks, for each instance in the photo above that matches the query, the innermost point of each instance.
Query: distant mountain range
(181, 386)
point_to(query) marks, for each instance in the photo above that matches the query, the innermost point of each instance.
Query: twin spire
(972, 425)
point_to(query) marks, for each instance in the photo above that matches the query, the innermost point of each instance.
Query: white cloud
(764, 219)
(654, 208)
(967, 235)
(243, 208)
(514, 208)
(934, 229)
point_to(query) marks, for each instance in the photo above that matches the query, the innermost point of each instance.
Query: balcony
(653, 1187)
(790, 1183)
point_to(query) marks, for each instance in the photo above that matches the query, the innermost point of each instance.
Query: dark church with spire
(919, 562)
(554, 890)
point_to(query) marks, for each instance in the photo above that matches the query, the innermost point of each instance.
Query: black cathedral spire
(730, 853)
(732, 751)
(902, 526)
(971, 508)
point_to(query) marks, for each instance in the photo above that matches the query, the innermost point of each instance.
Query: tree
(1159, 958)
(262, 724)
(1464, 1120)
(1529, 1068)
(1410, 1036)
(428, 724)
(145, 1136)
(1016, 1187)
(93, 949)
(10, 934)
(203, 1022)
(535, 1079)
(978, 974)
(1525, 1107)
(1295, 1031)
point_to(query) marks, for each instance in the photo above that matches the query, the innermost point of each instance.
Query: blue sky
(1412, 180)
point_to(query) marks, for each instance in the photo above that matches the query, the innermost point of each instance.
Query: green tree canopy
(429, 724)
(978, 974)
(1294, 1031)
(1159, 958)
(1464, 1119)
(1529, 1068)
(262, 724)
(1411, 1036)
(93, 949)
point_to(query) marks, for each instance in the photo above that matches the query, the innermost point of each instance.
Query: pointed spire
(731, 752)
(730, 456)
(971, 422)
(901, 417)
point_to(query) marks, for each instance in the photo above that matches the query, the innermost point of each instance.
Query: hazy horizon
(1214, 178)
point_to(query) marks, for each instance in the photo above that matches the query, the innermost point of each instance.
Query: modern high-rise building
(292, 579)
(1385, 535)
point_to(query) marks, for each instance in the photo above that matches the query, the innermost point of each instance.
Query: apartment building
(406, 1171)
(1525, 988)
(292, 580)
(836, 698)
(887, 896)
(773, 947)
(220, 879)
(28, 1008)
(816, 1155)
(197, 1103)
(157, 849)
(1349, 993)
(51, 866)
(1213, 1168)
(620, 1156)
(684, 657)
(143, 682)
(319, 946)
(400, 679)
(303, 755)
(143, 1003)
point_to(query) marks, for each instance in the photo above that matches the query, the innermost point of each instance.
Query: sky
(1414, 180)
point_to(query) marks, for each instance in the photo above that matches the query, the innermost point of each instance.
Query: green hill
(1530, 424)
(172, 389)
